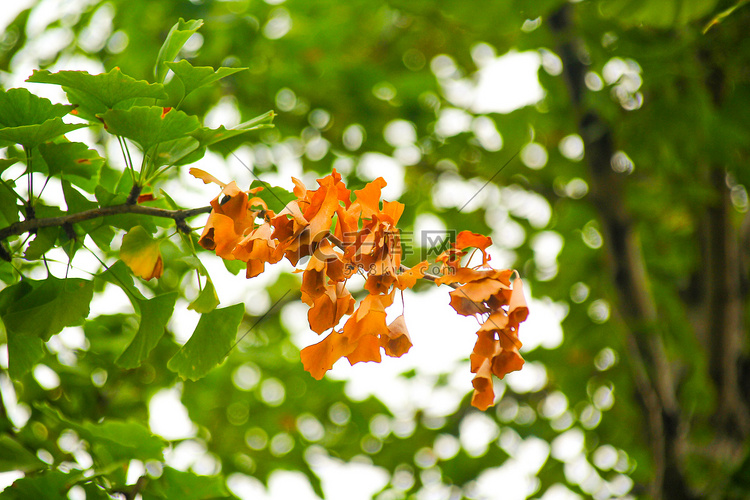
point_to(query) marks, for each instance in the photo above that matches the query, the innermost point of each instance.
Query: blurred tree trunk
(653, 373)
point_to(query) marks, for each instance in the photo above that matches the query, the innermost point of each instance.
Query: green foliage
(53, 485)
(19, 107)
(94, 94)
(660, 14)
(74, 162)
(14, 457)
(149, 125)
(178, 35)
(176, 484)
(193, 78)
(114, 442)
(209, 344)
(153, 315)
(207, 300)
(33, 311)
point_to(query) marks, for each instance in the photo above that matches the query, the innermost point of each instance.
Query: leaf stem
(126, 156)
(29, 178)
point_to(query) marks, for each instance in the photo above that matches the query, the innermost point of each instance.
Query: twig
(26, 226)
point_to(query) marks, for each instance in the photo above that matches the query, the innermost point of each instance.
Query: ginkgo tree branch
(29, 225)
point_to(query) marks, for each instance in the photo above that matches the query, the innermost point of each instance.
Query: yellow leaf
(141, 253)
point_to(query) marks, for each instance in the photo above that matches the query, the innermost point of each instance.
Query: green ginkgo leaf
(210, 343)
(207, 300)
(149, 125)
(176, 38)
(13, 456)
(51, 485)
(49, 306)
(9, 206)
(275, 197)
(95, 94)
(43, 241)
(30, 136)
(7, 162)
(112, 440)
(19, 107)
(33, 311)
(186, 486)
(195, 77)
(107, 89)
(209, 136)
(74, 162)
(179, 152)
(155, 314)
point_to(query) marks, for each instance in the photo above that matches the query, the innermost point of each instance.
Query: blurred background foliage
(626, 206)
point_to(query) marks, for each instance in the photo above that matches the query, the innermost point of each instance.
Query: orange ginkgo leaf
(256, 249)
(288, 226)
(347, 225)
(313, 285)
(450, 260)
(377, 248)
(409, 277)
(314, 276)
(220, 235)
(368, 349)
(322, 207)
(319, 358)
(379, 284)
(205, 176)
(368, 198)
(368, 318)
(254, 268)
(330, 307)
(467, 275)
(392, 211)
(371, 324)
(227, 222)
(517, 309)
(487, 345)
(497, 321)
(468, 299)
(141, 253)
(467, 239)
(484, 395)
(300, 191)
(507, 360)
(397, 342)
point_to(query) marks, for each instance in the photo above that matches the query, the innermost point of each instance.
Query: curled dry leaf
(319, 358)
(397, 342)
(343, 237)
(205, 176)
(467, 239)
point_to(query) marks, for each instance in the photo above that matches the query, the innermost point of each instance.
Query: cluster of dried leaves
(343, 237)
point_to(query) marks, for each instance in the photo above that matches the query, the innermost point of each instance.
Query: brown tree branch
(178, 216)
